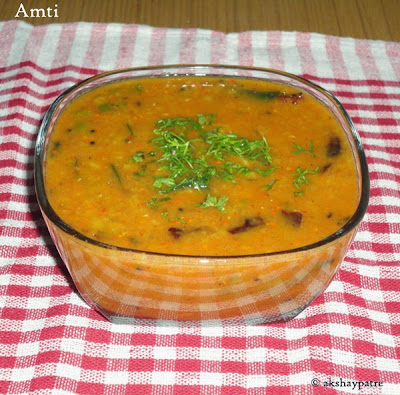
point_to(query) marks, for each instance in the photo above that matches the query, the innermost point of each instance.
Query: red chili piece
(248, 224)
(334, 147)
(176, 232)
(294, 97)
(294, 217)
(325, 168)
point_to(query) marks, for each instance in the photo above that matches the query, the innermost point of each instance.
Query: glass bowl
(125, 284)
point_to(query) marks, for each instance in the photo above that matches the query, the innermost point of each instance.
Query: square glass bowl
(125, 284)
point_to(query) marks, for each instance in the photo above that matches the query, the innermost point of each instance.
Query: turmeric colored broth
(201, 166)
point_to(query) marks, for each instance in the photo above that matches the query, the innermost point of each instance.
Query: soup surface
(201, 166)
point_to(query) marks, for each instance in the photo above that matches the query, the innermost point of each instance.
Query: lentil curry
(201, 166)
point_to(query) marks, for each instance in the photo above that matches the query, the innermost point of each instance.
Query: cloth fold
(347, 340)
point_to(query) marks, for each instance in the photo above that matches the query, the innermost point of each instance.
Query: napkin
(51, 342)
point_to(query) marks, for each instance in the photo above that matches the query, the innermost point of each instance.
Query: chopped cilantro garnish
(300, 178)
(186, 169)
(229, 171)
(154, 202)
(230, 143)
(166, 215)
(269, 186)
(140, 173)
(159, 182)
(142, 170)
(138, 157)
(214, 201)
(206, 119)
(192, 163)
(184, 123)
(301, 150)
(266, 173)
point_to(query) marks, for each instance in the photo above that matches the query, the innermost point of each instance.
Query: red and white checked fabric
(51, 342)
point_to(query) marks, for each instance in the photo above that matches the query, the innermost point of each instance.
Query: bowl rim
(52, 216)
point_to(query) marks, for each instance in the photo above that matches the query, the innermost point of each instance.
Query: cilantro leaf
(138, 157)
(214, 201)
(266, 173)
(301, 150)
(159, 182)
(300, 178)
(229, 170)
(269, 186)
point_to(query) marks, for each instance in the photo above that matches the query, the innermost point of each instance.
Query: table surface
(370, 19)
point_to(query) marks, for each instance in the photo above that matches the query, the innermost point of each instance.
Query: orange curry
(201, 166)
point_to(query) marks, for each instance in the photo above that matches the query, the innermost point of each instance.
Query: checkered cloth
(51, 342)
